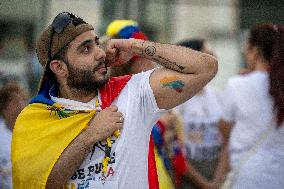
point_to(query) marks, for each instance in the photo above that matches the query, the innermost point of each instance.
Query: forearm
(225, 129)
(223, 163)
(223, 166)
(71, 159)
(177, 58)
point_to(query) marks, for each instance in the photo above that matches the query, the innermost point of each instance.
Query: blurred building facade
(223, 23)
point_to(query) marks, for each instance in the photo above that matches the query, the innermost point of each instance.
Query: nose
(100, 55)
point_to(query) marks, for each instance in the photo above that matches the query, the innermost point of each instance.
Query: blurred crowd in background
(227, 136)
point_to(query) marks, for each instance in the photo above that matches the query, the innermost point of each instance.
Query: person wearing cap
(60, 139)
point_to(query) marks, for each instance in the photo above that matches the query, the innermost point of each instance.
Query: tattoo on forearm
(150, 50)
(170, 64)
(173, 82)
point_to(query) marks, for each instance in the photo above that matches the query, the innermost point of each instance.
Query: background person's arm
(185, 71)
(223, 167)
(100, 127)
(199, 180)
(223, 164)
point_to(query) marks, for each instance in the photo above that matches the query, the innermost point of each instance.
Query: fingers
(118, 51)
(112, 108)
(110, 115)
(111, 111)
(111, 51)
(119, 44)
(118, 126)
(116, 114)
(120, 119)
(111, 46)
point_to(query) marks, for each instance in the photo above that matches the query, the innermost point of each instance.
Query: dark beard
(83, 79)
(124, 69)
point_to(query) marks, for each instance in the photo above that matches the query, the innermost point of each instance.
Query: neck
(261, 65)
(76, 94)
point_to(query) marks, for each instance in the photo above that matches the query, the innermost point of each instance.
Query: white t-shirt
(5, 160)
(248, 105)
(265, 168)
(128, 167)
(201, 115)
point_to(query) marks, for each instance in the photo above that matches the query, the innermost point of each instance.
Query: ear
(59, 68)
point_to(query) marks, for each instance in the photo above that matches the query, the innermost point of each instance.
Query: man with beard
(60, 139)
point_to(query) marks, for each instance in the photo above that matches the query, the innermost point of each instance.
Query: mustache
(101, 64)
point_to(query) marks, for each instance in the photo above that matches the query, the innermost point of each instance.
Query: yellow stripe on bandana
(39, 138)
(117, 25)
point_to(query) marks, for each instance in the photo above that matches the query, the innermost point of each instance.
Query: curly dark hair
(269, 39)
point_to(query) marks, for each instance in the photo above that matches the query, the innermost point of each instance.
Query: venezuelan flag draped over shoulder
(44, 129)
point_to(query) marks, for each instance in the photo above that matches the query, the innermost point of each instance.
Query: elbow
(212, 67)
(215, 66)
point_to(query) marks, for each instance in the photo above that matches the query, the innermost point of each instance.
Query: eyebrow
(88, 41)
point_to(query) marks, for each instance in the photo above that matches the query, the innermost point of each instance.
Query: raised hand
(119, 51)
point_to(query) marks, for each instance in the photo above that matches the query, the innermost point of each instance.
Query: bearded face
(87, 79)
(85, 63)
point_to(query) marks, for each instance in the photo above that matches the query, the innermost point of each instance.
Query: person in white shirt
(12, 100)
(69, 49)
(254, 112)
(203, 141)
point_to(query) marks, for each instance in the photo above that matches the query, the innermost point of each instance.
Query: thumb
(112, 108)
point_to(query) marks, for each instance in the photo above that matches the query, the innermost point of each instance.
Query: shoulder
(140, 78)
(133, 86)
(246, 79)
(236, 80)
(31, 114)
(141, 75)
(213, 93)
(211, 90)
(249, 82)
(237, 83)
(117, 82)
